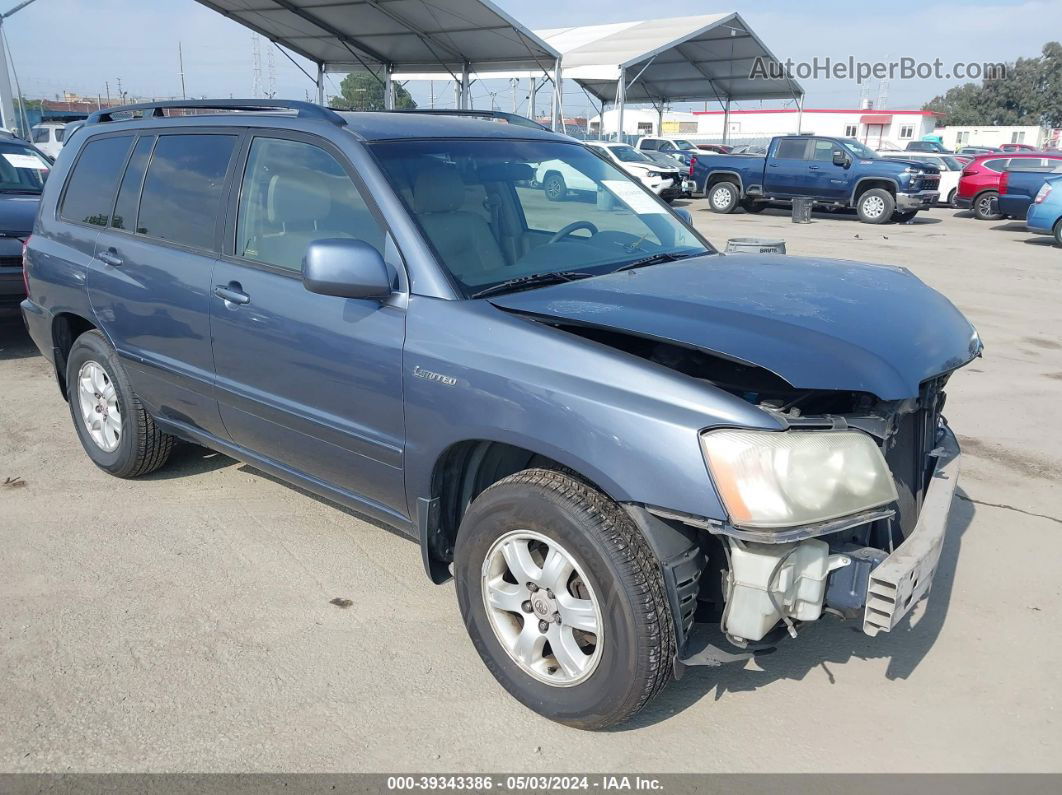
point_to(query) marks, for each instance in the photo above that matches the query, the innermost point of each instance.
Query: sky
(91, 47)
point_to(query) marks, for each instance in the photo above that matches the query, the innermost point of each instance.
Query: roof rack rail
(512, 118)
(304, 110)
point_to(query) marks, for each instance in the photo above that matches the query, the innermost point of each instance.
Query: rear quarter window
(181, 199)
(996, 164)
(90, 189)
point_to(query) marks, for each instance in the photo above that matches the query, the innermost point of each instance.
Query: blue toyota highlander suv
(632, 453)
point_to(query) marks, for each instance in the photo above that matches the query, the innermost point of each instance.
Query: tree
(363, 91)
(1030, 93)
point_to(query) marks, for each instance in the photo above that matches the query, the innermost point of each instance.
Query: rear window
(40, 135)
(90, 190)
(181, 199)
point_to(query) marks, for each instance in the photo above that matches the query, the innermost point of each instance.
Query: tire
(628, 660)
(875, 206)
(723, 197)
(1058, 232)
(753, 207)
(131, 446)
(555, 188)
(982, 206)
(951, 198)
(905, 216)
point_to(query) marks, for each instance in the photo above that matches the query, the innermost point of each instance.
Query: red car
(719, 149)
(979, 183)
(1016, 148)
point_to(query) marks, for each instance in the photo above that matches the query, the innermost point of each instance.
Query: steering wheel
(572, 227)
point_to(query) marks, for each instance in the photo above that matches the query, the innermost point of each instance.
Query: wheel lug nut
(549, 593)
(557, 617)
(526, 607)
(543, 625)
(532, 587)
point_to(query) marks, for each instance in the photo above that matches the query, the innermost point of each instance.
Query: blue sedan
(1045, 213)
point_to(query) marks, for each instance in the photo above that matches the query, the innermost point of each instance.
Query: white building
(956, 137)
(875, 128)
(644, 121)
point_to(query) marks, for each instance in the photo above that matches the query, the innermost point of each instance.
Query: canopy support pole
(660, 119)
(466, 87)
(621, 100)
(800, 114)
(320, 84)
(557, 112)
(726, 121)
(532, 96)
(389, 87)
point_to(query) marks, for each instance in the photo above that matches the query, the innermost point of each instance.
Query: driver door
(826, 180)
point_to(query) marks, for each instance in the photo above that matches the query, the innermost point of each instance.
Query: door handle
(109, 257)
(814, 168)
(772, 165)
(232, 294)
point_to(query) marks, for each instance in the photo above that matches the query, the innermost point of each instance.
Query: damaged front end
(751, 577)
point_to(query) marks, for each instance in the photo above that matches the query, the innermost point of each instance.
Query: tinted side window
(59, 133)
(824, 151)
(997, 164)
(129, 193)
(652, 146)
(40, 136)
(791, 149)
(181, 200)
(293, 194)
(90, 190)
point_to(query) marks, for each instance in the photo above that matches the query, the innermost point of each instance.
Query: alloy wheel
(100, 410)
(542, 608)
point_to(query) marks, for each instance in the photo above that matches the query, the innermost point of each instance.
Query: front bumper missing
(907, 574)
(917, 201)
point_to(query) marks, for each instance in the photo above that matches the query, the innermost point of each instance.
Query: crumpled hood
(816, 323)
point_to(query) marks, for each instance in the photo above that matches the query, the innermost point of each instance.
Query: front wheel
(563, 599)
(875, 206)
(723, 197)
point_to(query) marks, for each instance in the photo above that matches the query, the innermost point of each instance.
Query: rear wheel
(555, 188)
(984, 206)
(117, 433)
(951, 198)
(875, 206)
(1058, 233)
(563, 599)
(723, 197)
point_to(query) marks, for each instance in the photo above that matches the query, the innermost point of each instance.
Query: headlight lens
(783, 479)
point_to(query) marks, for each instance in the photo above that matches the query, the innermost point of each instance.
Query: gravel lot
(182, 622)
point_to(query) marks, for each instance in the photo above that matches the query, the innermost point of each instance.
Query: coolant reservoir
(799, 584)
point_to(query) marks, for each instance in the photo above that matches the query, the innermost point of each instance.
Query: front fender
(475, 372)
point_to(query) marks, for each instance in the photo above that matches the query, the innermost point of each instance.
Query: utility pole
(107, 86)
(180, 68)
(7, 95)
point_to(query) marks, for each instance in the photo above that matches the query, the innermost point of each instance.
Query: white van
(48, 137)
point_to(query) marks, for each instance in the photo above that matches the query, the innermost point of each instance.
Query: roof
(382, 126)
(409, 34)
(682, 58)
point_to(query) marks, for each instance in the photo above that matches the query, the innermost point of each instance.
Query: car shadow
(842, 214)
(15, 342)
(190, 459)
(1047, 241)
(1010, 226)
(826, 643)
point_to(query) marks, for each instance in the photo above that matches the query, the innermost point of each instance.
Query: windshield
(22, 170)
(683, 144)
(628, 154)
(860, 150)
(952, 163)
(497, 210)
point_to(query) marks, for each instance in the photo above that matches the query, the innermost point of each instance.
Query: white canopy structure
(699, 58)
(447, 37)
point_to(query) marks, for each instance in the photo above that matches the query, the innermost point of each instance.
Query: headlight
(785, 479)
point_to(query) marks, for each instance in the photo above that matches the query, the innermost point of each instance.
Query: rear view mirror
(684, 214)
(346, 268)
(840, 158)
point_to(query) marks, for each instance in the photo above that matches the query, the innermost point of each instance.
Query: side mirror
(684, 214)
(346, 268)
(840, 158)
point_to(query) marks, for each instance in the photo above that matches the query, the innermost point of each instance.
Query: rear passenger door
(150, 278)
(312, 382)
(786, 169)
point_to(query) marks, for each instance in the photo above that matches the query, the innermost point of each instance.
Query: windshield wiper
(534, 280)
(653, 259)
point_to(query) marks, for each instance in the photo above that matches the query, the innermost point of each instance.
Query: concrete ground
(182, 622)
